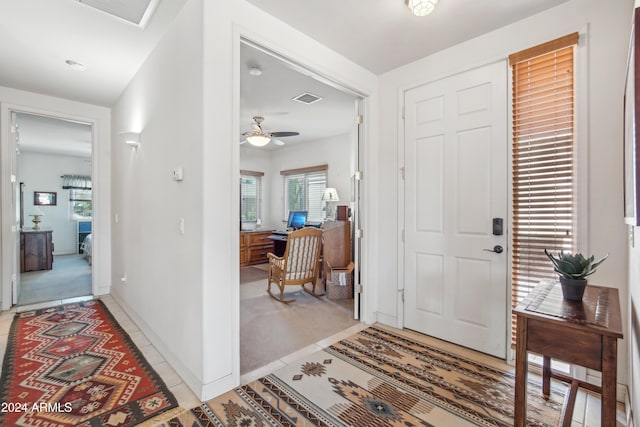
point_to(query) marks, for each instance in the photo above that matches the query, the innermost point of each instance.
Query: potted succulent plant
(573, 270)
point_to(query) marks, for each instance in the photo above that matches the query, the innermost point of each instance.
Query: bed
(87, 246)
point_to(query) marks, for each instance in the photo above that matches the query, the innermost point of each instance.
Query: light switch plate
(178, 174)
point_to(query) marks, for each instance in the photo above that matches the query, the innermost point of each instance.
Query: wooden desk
(254, 247)
(336, 244)
(584, 333)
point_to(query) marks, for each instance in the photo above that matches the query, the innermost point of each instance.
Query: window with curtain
(250, 183)
(80, 196)
(543, 161)
(303, 189)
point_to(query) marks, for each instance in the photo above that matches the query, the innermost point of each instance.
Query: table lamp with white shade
(330, 196)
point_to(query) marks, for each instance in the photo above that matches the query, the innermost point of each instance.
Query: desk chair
(298, 265)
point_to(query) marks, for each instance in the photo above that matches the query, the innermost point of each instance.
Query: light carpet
(379, 377)
(270, 330)
(70, 277)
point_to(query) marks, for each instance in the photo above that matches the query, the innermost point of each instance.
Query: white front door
(455, 185)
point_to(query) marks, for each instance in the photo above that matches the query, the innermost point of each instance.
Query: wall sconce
(132, 139)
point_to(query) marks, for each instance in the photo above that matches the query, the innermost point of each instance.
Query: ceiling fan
(259, 138)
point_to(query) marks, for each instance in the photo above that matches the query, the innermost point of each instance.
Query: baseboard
(628, 408)
(386, 319)
(187, 377)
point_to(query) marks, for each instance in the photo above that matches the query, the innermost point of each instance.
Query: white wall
(605, 47)
(163, 266)
(633, 325)
(100, 119)
(224, 22)
(333, 151)
(42, 172)
(633, 329)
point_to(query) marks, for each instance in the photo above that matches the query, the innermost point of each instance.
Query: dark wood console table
(584, 333)
(36, 250)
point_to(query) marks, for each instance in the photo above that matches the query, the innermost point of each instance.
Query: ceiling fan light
(422, 7)
(258, 140)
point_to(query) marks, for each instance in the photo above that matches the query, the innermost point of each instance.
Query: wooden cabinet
(336, 259)
(254, 247)
(36, 250)
(336, 249)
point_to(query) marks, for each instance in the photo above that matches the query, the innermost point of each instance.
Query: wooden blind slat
(541, 49)
(540, 58)
(543, 193)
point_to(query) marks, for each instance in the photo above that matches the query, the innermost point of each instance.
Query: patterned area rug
(73, 365)
(378, 377)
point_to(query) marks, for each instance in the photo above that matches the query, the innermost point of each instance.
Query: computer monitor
(297, 219)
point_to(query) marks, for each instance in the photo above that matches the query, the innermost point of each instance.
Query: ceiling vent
(307, 98)
(137, 12)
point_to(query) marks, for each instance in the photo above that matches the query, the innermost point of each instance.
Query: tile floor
(586, 413)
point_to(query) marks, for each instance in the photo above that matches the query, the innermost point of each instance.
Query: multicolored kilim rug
(73, 365)
(377, 377)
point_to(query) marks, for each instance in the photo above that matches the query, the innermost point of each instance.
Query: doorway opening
(55, 209)
(313, 150)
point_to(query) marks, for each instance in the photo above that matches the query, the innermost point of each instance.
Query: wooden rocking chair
(299, 264)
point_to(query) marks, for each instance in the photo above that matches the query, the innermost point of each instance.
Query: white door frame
(361, 306)
(9, 236)
(400, 322)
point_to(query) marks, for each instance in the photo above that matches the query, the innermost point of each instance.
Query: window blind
(249, 196)
(303, 191)
(316, 183)
(78, 195)
(543, 189)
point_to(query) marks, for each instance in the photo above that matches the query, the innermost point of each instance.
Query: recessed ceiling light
(255, 71)
(75, 65)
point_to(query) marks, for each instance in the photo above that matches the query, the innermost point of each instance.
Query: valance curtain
(82, 182)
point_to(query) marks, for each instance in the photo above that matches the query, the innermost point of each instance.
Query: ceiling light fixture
(255, 71)
(75, 65)
(258, 140)
(422, 7)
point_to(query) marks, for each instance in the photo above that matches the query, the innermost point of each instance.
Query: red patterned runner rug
(73, 365)
(380, 377)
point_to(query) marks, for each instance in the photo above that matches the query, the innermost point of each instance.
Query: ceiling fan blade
(281, 134)
(277, 141)
(243, 141)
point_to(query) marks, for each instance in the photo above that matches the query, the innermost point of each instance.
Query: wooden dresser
(254, 247)
(36, 250)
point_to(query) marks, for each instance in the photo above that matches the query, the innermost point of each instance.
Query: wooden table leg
(609, 372)
(546, 376)
(520, 402)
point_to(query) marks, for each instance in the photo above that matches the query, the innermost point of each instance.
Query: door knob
(497, 249)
